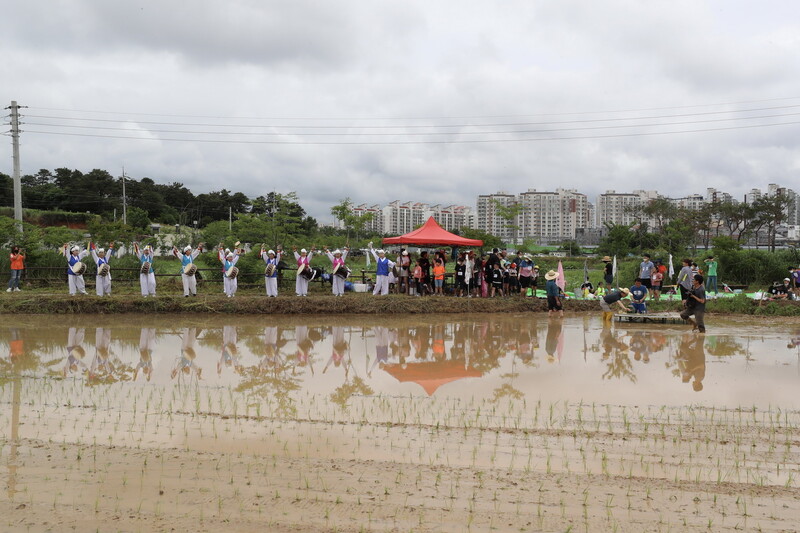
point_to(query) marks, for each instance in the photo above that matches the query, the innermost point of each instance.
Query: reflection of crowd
(276, 354)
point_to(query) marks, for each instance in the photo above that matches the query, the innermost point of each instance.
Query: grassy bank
(34, 302)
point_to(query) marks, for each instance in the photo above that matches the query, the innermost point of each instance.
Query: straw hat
(625, 291)
(551, 275)
(606, 259)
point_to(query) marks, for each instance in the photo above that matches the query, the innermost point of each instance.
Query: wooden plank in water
(652, 318)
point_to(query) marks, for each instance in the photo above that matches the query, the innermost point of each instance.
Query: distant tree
(660, 211)
(343, 212)
(509, 214)
(619, 240)
(489, 241)
(138, 219)
(771, 211)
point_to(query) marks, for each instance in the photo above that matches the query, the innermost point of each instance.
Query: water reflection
(495, 356)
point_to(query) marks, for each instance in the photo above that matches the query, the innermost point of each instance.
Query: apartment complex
(549, 216)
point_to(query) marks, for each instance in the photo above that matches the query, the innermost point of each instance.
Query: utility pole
(230, 219)
(124, 200)
(15, 159)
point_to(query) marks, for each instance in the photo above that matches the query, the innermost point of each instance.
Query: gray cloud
(360, 64)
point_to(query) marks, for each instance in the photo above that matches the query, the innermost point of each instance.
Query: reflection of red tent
(432, 233)
(431, 374)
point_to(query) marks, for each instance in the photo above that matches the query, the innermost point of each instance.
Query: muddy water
(464, 358)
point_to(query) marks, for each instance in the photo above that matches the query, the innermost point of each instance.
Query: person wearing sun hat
(553, 294)
(611, 298)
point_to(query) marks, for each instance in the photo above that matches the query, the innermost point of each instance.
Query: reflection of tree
(507, 390)
(615, 354)
(723, 346)
(348, 389)
(272, 383)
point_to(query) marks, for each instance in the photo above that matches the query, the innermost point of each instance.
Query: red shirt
(17, 262)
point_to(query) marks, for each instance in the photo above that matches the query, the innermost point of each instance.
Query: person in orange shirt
(438, 276)
(17, 266)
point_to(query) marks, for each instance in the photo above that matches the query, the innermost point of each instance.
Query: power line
(383, 134)
(444, 117)
(395, 126)
(459, 141)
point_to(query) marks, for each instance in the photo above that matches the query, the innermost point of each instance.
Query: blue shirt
(551, 288)
(638, 293)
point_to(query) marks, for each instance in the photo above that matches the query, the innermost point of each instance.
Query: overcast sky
(414, 100)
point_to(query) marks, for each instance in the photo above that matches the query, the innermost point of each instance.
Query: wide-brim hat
(625, 291)
(605, 259)
(551, 275)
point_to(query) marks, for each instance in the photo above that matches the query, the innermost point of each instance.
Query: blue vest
(147, 259)
(273, 262)
(228, 265)
(382, 267)
(186, 259)
(72, 260)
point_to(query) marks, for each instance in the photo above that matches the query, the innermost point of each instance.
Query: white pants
(301, 286)
(189, 284)
(338, 285)
(272, 286)
(230, 285)
(103, 284)
(381, 285)
(148, 284)
(76, 284)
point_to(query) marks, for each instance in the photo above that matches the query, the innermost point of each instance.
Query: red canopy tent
(431, 375)
(432, 233)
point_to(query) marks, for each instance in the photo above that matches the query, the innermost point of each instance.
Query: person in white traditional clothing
(303, 261)
(337, 258)
(229, 279)
(187, 261)
(230, 351)
(101, 367)
(103, 277)
(185, 364)
(271, 272)
(147, 341)
(75, 281)
(147, 276)
(75, 352)
(382, 267)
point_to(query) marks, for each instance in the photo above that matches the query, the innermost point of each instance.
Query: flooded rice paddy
(424, 423)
